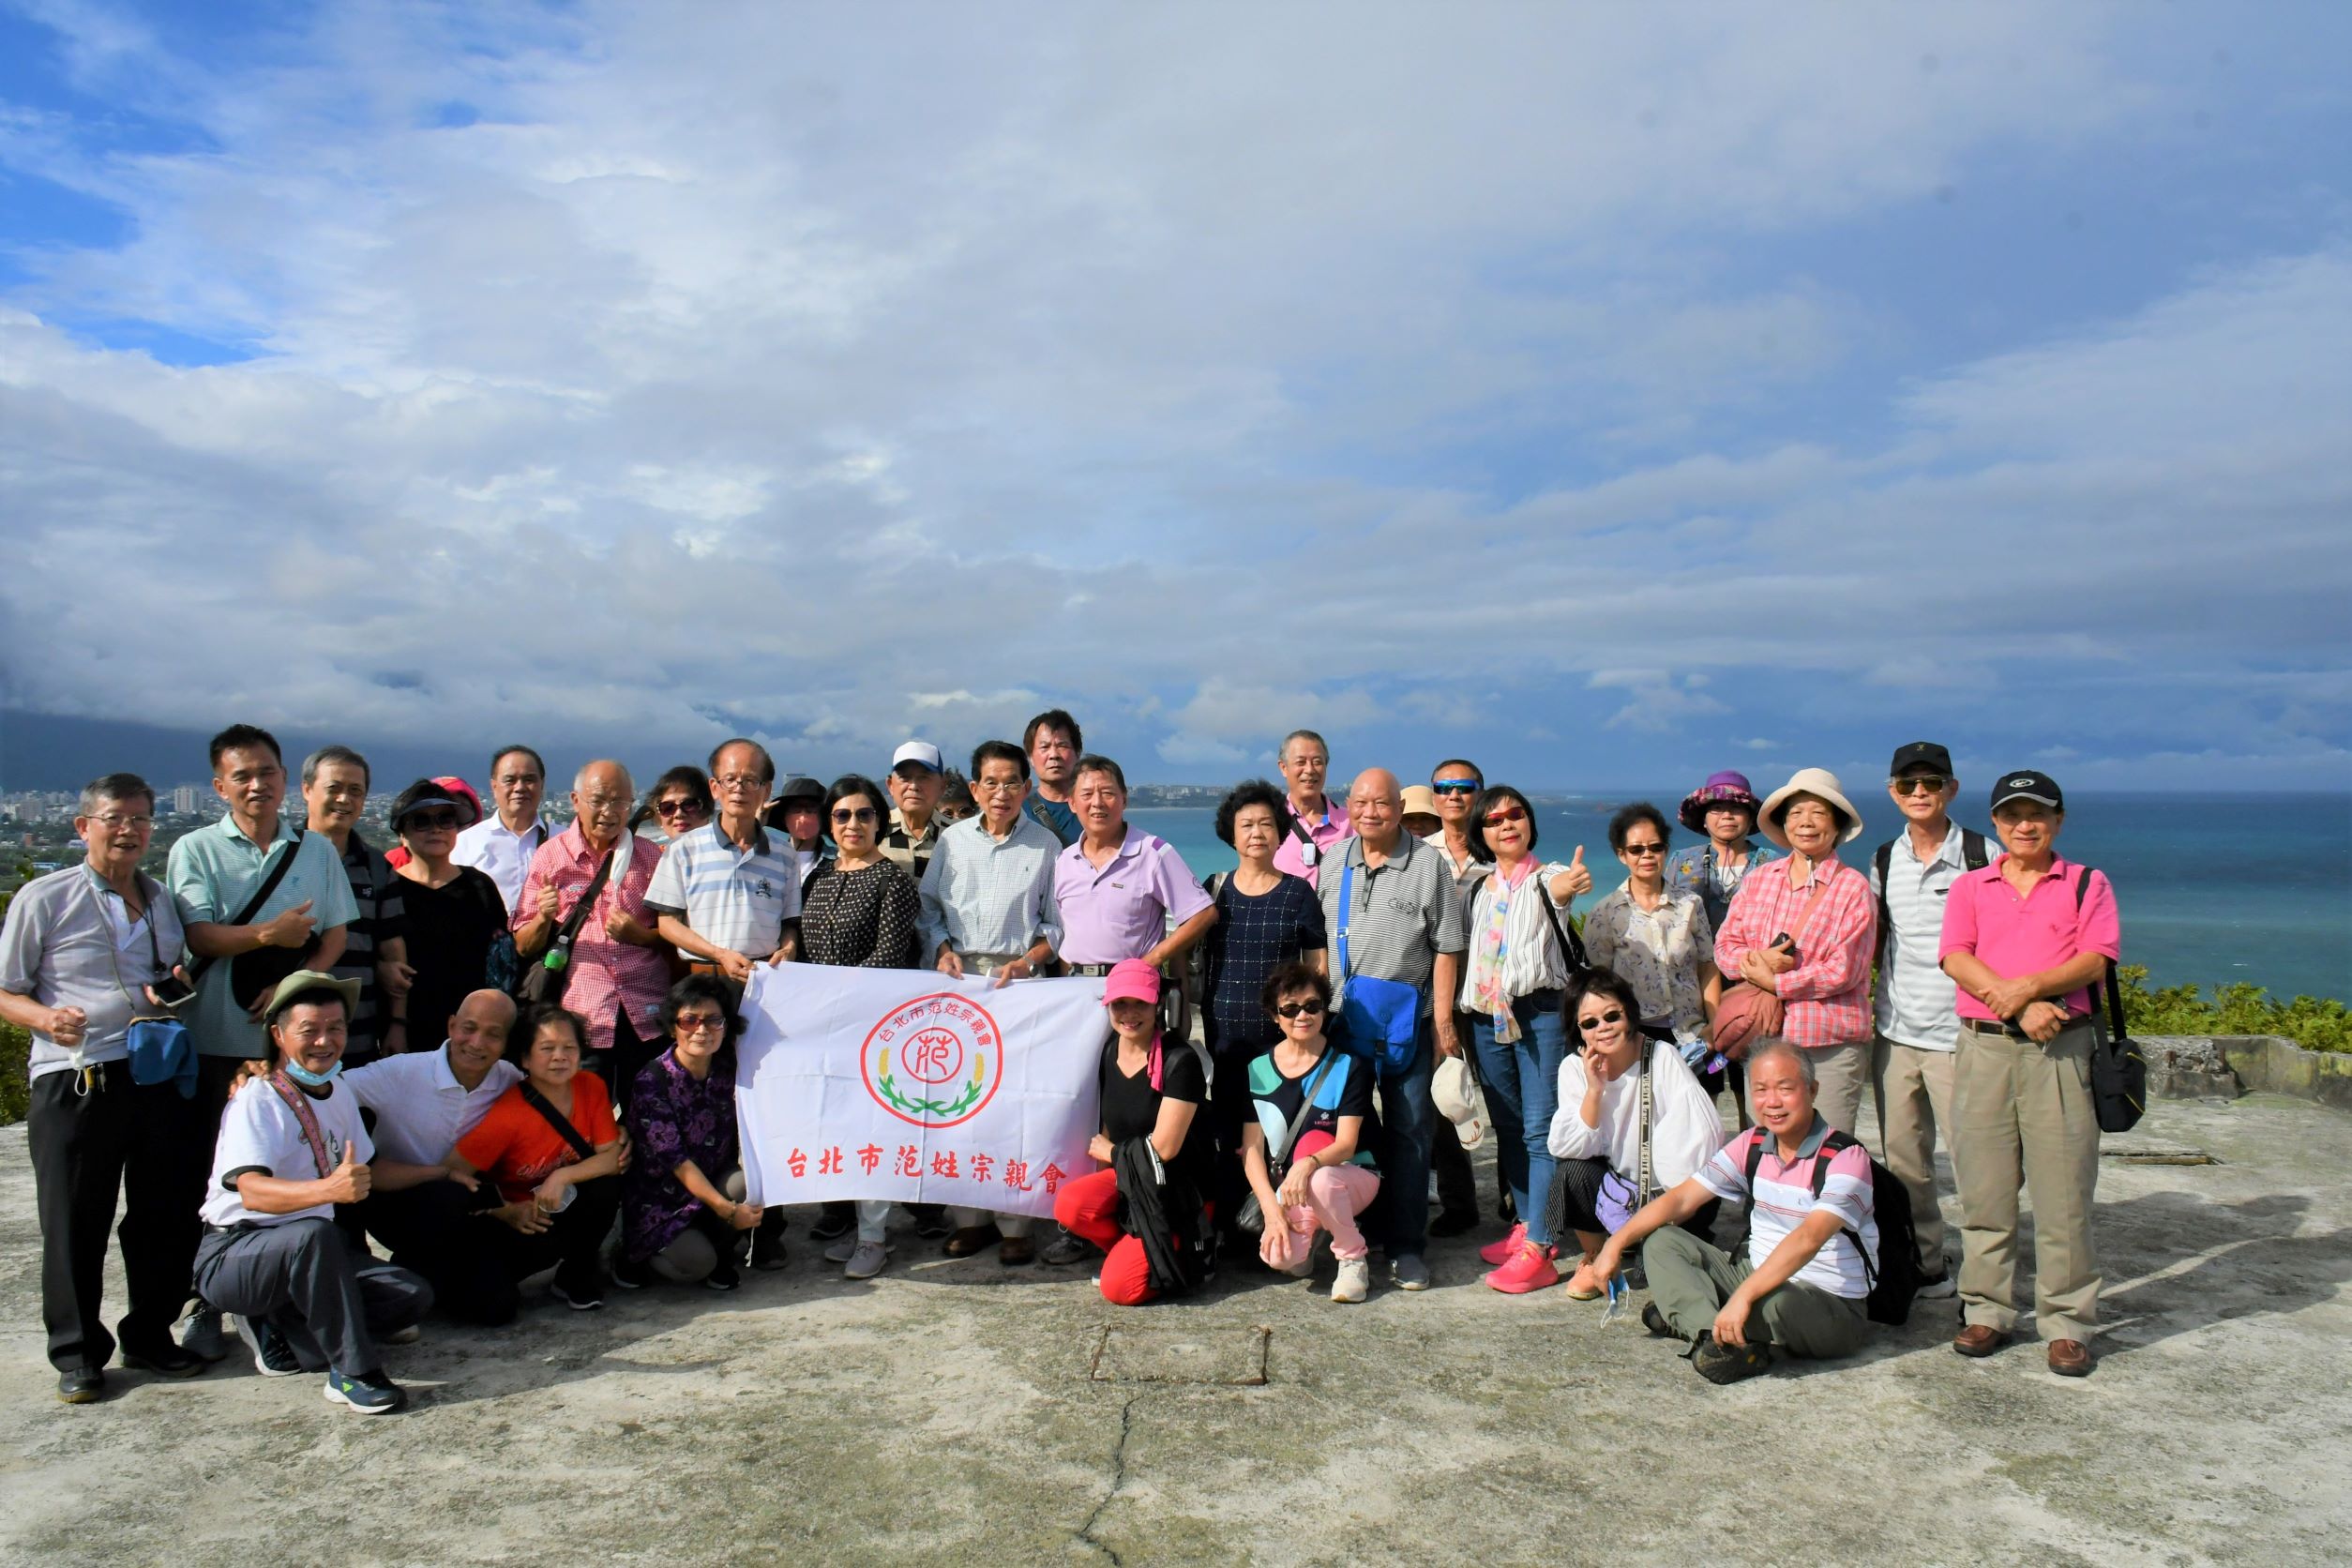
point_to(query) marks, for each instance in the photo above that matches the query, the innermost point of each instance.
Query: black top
(859, 919)
(1131, 1108)
(1254, 937)
(449, 931)
(1345, 1089)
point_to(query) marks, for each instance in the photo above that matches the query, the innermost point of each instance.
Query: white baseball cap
(918, 751)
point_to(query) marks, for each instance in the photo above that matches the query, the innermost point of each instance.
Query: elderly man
(503, 843)
(1394, 914)
(1812, 1238)
(614, 969)
(2026, 938)
(988, 909)
(375, 952)
(423, 1103)
(81, 954)
(1918, 1026)
(918, 778)
(727, 893)
(1055, 744)
(1313, 822)
(292, 1149)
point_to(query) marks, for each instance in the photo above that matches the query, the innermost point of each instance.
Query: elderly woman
(1266, 918)
(1659, 939)
(454, 914)
(551, 1148)
(1306, 1152)
(858, 910)
(683, 1216)
(1520, 960)
(1803, 933)
(1632, 1122)
(679, 802)
(1724, 810)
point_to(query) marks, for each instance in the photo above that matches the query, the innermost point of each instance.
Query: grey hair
(1790, 1048)
(1283, 751)
(114, 786)
(326, 754)
(629, 786)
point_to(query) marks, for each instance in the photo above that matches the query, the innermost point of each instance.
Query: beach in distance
(2216, 889)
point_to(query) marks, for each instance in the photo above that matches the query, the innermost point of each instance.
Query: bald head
(478, 1035)
(1375, 809)
(601, 797)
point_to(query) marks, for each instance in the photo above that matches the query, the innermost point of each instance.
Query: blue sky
(1610, 393)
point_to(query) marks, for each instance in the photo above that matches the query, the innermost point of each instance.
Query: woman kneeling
(1307, 1155)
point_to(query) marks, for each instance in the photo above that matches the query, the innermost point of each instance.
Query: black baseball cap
(2025, 784)
(1923, 756)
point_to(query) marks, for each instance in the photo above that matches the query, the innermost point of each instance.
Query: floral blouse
(674, 1117)
(1659, 953)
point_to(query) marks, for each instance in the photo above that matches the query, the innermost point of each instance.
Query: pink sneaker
(1531, 1269)
(1502, 1251)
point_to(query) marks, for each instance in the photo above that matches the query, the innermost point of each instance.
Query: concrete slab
(961, 1412)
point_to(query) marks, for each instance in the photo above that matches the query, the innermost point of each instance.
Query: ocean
(2215, 889)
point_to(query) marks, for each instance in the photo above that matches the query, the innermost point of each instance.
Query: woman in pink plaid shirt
(1804, 930)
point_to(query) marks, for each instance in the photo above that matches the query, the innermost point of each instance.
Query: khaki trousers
(1690, 1280)
(1912, 1089)
(2022, 1113)
(1841, 1073)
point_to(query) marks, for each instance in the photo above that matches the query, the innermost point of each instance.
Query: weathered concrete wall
(2270, 1065)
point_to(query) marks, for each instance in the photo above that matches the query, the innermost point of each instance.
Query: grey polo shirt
(1401, 915)
(70, 942)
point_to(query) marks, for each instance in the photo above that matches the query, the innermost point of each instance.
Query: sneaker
(1408, 1274)
(1531, 1269)
(1655, 1322)
(630, 1275)
(722, 1276)
(865, 1260)
(846, 1249)
(1354, 1282)
(409, 1335)
(369, 1393)
(1496, 1254)
(580, 1295)
(1065, 1249)
(1937, 1286)
(81, 1385)
(833, 1224)
(1727, 1364)
(200, 1333)
(272, 1356)
(767, 1251)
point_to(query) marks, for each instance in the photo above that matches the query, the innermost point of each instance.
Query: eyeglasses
(698, 1023)
(678, 809)
(1456, 787)
(843, 816)
(1504, 814)
(1911, 784)
(1308, 1008)
(115, 821)
(1615, 1014)
(996, 786)
(741, 781)
(1642, 852)
(430, 821)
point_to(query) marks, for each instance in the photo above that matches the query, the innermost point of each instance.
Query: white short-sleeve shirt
(260, 1132)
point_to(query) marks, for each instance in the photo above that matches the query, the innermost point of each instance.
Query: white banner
(907, 1085)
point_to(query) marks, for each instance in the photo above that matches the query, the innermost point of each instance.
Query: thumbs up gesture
(1574, 881)
(348, 1182)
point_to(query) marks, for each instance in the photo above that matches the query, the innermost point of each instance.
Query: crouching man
(292, 1148)
(1803, 1283)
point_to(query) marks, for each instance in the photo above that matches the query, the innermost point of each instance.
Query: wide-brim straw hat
(1819, 782)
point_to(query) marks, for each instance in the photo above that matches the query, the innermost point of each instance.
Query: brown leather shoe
(1017, 1250)
(1979, 1340)
(970, 1238)
(2069, 1358)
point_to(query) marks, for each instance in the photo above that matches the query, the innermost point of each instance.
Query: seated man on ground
(1812, 1238)
(292, 1148)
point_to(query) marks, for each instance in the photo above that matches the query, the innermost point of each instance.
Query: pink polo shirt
(2014, 936)
(1326, 829)
(1124, 909)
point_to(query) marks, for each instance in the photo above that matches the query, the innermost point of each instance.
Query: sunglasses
(1455, 787)
(1506, 814)
(697, 1023)
(1615, 1014)
(1911, 784)
(843, 816)
(1644, 850)
(426, 822)
(678, 809)
(1308, 1008)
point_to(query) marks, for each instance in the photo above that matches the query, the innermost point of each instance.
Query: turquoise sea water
(2215, 889)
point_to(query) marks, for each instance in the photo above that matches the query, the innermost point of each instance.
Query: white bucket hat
(1819, 782)
(1455, 1093)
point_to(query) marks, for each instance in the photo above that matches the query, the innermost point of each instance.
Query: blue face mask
(309, 1080)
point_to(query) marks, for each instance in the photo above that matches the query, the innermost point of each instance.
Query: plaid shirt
(606, 974)
(1827, 996)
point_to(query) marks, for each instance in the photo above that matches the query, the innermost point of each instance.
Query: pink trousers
(1336, 1194)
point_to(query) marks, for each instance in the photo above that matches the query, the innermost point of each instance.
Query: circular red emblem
(933, 1062)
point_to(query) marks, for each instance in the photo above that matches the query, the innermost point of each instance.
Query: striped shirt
(1826, 998)
(376, 888)
(732, 897)
(1916, 998)
(1783, 1200)
(983, 894)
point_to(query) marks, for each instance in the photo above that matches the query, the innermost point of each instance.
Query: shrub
(2316, 1023)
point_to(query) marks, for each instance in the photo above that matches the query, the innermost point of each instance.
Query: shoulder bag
(251, 974)
(1749, 1013)
(1251, 1217)
(1380, 1020)
(158, 1043)
(2119, 1071)
(544, 984)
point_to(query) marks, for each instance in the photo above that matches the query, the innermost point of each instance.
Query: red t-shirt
(516, 1148)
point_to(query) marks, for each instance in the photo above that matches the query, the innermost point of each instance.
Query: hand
(523, 1216)
(1731, 1323)
(1597, 1070)
(1755, 970)
(550, 1196)
(179, 972)
(730, 963)
(2042, 1020)
(784, 954)
(623, 1151)
(290, 930)
(620, 925)
(743, 1216)
(1100, 1150)
(395, 977)
(348, 1182)
(1292, 1193)
(465, 1178)
(1605, 1263)
(950, 963)
(1019, 969)
(65, 1025)
(1449, 1037)
(2009, 998)
(1574, 882)
(395, 1036)
(1780, 958)
(549, 904)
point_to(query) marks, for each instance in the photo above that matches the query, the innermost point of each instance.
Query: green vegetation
(2316, 1023)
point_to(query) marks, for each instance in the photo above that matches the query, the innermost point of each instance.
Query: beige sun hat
(1819, 782)
(1455, 1089)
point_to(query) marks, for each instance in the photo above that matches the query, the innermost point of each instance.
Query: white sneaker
(1354, 1282)
(1937, 1286)
(865, 1260)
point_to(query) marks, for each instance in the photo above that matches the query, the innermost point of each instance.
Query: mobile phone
(171, 992)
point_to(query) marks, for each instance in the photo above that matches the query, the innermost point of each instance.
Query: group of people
(490, 1047)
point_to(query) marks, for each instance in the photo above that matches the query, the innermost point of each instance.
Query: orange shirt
(515, 1147)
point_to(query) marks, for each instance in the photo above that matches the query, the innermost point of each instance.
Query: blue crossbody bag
(159, 1045)
(1380, 1020)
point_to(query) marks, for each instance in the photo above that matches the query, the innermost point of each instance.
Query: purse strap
(1570, 945)
(1346, 904)
(299, 1103)
(1642, 1193)
(1306, 1108)
(568, 932)
(253, 905)
(556, 1118)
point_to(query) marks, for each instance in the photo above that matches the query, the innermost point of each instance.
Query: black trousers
(1576, 1198)
(1229, 1112)
(627, 1058)
(572, 1245)
(432, 1229)
(155, 1149)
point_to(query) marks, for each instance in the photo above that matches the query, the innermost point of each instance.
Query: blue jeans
(1522, 1084)
(1407, 1121)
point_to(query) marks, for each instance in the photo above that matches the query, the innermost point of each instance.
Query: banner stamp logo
(933, 1062)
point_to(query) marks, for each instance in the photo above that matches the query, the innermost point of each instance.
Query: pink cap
(1131, 978)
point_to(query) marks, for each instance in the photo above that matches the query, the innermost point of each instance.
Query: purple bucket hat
(1721, 789)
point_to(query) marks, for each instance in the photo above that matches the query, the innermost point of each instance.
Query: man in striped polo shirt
(728, 892)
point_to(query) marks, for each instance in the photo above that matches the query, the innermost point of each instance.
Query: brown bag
(1748, 1012)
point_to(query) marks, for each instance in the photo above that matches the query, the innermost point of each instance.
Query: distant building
(184, 800)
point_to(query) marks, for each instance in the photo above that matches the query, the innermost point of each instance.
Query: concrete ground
(959, 1412)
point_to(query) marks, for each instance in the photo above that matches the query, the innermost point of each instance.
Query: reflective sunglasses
(1505, 814)
(1615, 1014)
(1911, 784)
(1456, 787)
(1308, 1008)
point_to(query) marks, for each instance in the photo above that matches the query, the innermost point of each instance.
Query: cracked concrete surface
(951, 1413)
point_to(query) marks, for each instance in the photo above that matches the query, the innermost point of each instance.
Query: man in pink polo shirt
(2026, 939)
(1312, 822)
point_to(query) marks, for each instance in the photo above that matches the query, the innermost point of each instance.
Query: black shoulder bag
(252, 975)
(2119, 1071)
(544, 984)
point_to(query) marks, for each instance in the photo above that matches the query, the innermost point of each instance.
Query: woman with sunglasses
(1658, 937)
(858, 910)
(679, 802)
(1602, 1133)
(1307, 1151)
(1512, 988)
(682, 1215)
(453, 912)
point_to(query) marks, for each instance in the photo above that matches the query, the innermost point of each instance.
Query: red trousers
(1088, 1208)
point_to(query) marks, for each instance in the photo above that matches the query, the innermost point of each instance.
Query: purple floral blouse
(672, 1118)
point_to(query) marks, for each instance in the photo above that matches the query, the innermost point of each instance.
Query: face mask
(309, 1080)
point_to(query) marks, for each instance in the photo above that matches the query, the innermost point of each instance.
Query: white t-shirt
(1684, 1129)
(259, 1132)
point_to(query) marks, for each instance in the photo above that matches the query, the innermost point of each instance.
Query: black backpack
(1975, 855)
(1893, 1280)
